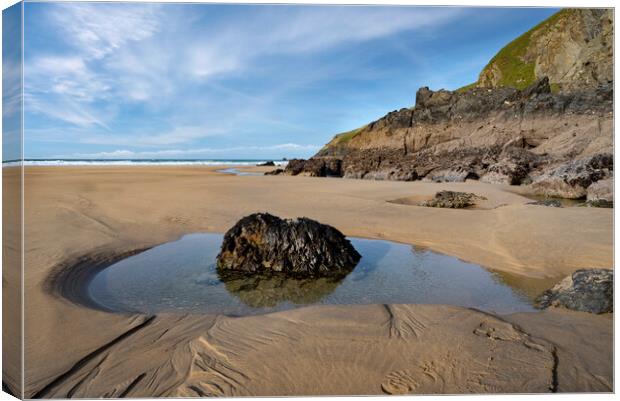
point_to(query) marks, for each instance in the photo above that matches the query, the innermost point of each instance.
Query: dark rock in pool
(301, 247)
(452, 199)
(547, 202)
(277, 171)
(269, 163)
(586, 290)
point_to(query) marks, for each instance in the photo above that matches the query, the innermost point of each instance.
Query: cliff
(555, 133)
(573, 48)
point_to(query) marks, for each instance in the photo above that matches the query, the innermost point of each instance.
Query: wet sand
(80, 216)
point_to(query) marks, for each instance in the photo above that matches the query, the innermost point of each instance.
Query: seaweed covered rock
(587, 290)
(452, 199)
(262, 242)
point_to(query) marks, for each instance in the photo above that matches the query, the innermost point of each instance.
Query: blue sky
(11, 83)
(235, 81)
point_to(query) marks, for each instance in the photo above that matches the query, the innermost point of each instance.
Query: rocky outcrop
(574, 48)
(269, 163)
(261, 243)
(315, 167)
(277, 171)
(601, 190)
(559, 142)
(572, 179)
(587, 290)
(452, 200)
(500, 135)
(516, 132)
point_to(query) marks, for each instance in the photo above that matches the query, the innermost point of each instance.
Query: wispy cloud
(97, 30)
(171, 153)
(202, 79)
(123, 53)
(71, 86)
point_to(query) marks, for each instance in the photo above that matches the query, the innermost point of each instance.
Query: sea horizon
(142, 162)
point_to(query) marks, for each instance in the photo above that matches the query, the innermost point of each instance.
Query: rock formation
(268, 163)
(452, 200)
(574, 48)
(261, 243)
(277, 171)
(554, 133)
(587, 290)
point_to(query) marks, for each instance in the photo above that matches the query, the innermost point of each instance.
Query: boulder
(601, 190)
(571, 179)
(512, 166)
(261, 243)
(586, 290)
(269, 163)
(452, 199)
(277, 171)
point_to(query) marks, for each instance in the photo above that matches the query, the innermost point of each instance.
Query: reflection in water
(182, 276)
(565, 202)
(235, 171)
(269, 290)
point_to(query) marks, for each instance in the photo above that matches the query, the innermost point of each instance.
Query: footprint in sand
(399, 382)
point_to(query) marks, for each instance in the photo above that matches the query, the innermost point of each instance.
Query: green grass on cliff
(515, 71)
(467, 87)
(345, 137)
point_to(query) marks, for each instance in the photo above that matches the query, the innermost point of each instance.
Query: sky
(198, 81)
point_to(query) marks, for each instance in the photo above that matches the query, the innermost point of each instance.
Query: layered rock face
(574, 48)
(263, 243)
(558, 142)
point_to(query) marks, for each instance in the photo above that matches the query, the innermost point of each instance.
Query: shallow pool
(181, 276)
(235, 171)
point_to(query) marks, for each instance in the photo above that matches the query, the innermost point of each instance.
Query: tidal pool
(181, 276)
(235, 171)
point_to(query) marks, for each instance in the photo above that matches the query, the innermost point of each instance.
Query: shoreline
(73, 212)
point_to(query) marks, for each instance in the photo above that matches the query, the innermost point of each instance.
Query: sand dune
(74, 351)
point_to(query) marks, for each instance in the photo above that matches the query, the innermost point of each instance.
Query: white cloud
(178, 135)
(97, 30)
(66, 86)
(169, 153)
(11, 88)
(116, 58)
(303, 29)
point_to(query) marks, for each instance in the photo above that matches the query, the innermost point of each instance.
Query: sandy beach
(87, 215)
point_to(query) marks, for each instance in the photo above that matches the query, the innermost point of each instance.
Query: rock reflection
(269, 290)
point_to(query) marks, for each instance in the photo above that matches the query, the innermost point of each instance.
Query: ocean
(141, 162)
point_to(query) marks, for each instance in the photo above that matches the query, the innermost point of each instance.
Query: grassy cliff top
(514, 70)
(345, 137)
